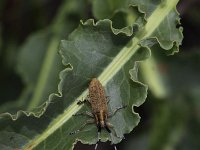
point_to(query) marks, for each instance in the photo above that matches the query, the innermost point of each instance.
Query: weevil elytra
(100, 114)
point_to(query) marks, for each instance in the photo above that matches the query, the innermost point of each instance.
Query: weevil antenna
(81, 128)
(98, 135)
(112, 141)
(98, 139)
(115, 147)
(96, 146)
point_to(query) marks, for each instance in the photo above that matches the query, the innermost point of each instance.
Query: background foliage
(169, 117)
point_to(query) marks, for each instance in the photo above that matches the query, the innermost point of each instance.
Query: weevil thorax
(98, 101)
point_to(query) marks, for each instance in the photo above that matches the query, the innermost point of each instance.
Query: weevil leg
(109, 125)
(98, 135)
(83, 101)
(99, 131)
(96, 146)
(116, 110)
(108, 99)
(87, 113)
(80, 102)
(81, 128)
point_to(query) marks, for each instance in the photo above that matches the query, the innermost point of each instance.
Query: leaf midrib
(118, 62)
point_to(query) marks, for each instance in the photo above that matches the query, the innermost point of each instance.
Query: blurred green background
(169, 122)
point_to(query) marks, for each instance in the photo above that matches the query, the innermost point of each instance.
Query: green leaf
(70, 78)
(90, 58)
(152, 76)
(39, 64)
(92, 50)
(165, 30)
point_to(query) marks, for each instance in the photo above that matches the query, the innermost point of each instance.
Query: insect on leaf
(93, 50)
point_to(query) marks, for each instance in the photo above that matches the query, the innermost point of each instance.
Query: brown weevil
(98, 102)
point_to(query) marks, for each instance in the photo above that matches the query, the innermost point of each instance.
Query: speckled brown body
(97, 97)
(98, 101)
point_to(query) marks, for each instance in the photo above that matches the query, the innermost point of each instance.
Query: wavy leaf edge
(115, 31)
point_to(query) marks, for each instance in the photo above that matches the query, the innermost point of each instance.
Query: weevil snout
(102, 123)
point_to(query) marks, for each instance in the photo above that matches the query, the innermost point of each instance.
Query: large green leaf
(39, 63)
(165, 31)
(36, 55)
(134, 97)
(92, 50)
